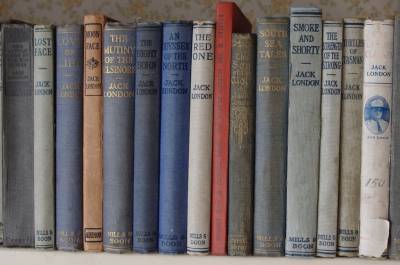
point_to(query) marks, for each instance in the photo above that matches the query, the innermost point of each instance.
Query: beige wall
(71, 11)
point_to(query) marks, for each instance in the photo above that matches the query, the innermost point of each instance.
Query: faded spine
(241, 145)
(93, 133)
(271, 136)
(147, 139)
(394, 208)
(200, 138)
(174, 136)
(43, 76)
(330, 138)
(69, 82)
(376, 137)
(118, 132)
(304, 123)
(18, 136)
(1, 135)
(350, 144)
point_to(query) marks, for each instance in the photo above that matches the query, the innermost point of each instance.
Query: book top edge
(43, 26)
(379, 22)
(113, 25)
(174, 22)
(305, 10)
(204, 23)
(149, 24)
(281, 19)
(328, 22)
(95, 18)
(69, 27)
(244, 35)
(353, 20)
(17, 25)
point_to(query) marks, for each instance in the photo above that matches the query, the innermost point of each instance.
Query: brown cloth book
(93, 133)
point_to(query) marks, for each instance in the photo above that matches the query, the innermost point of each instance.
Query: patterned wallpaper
(71, 11)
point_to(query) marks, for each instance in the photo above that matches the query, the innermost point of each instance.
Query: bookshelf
(72, 11)
(37, 257)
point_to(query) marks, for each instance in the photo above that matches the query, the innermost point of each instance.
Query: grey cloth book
(330, 138)
(350, 142)
(241, 145)
(18, 136)
(1, 137)
(394, 206)
(304, 126)
(43, 101)
(271, 136)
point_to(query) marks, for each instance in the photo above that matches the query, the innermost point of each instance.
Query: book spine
(350, 144)
(174, 139)
(118, 131)
(229, 19)
(93, 133)
(394, 207)
(376, 133)
(200, 138)
(271, 136)
(1, 136)
(304, 123)
(220, 141)
(43, 116)
(241, 145)
(330, 138)
(147, 139)
(18, 136)
(69, 80)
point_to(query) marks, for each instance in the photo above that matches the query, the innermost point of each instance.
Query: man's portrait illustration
(377, 114)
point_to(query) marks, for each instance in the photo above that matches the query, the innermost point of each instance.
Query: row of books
(201, 137)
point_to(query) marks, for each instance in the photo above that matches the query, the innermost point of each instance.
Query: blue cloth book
(147, 139)
(69, 137)
(118, 91)
(174, 140)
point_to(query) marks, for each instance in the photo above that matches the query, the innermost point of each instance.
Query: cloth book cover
(200, 138)
(271, 136)
(350, 142)
(229, 19)
(174, 136)
(93, 133)
(118, 131)
(18, 136)
(241, 145)
(304, 118)
(376, 138)
(43, 105)
(69, 81)
(330, 138)
(147, 138)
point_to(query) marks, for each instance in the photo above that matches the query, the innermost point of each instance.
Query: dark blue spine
(174, 140)
(69, 137)
(118, 132)
(147, 138)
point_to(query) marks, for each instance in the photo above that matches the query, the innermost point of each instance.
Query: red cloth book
(229, 19)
